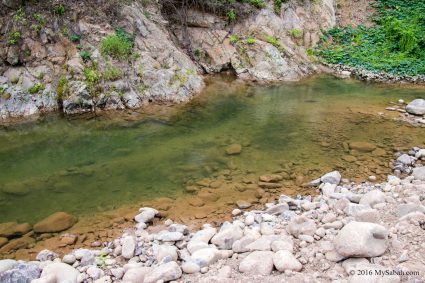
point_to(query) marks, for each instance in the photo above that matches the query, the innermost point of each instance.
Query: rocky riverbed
(350, 232)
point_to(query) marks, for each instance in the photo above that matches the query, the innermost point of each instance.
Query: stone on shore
(333, 177)
(258, 263)
(165, 272)
(7, 264)
(284, 260)
(146, 215)
(301, 225)
(373, 197)
(136, 274)
(227, 235)
(419, 173)
(416, 107)
(22, 272)
(361, 239)
(56, 222)
(128, 246)
(205, 257)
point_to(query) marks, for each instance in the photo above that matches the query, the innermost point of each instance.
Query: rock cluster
(335, 236)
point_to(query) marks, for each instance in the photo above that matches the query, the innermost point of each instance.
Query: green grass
(395, 44)
(118, 45)
(250, 40)
(273, 41)
(112, 73)
(37, 88)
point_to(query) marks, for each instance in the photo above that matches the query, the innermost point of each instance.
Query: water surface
(86, 165)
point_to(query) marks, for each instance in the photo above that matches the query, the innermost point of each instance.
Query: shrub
(13, 37)
(112, 73)
(273, 41)
(85, 55)
(296, 33)
(258, 3)
(62, 87)
(117, 45)
(233, 39)
(231, 15)
(59, 10)
(75, 37)
(250, 40)
(395, 44)
(277, 5)
(36, 88)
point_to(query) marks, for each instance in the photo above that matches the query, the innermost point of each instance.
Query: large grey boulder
(416, 107)
(361, 239)
(205, 257)
(258, 263)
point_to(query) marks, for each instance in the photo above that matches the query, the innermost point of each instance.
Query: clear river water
(88, 165)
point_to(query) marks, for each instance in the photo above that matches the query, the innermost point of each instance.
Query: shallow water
(83, 166)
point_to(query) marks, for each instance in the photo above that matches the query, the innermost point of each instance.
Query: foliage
(19, 15)
(92, 79)
(117, 45)
(277, 5)
(75, 37)
(231, 15)
(296, 33)
(396, 44)
(85, 55)
(13, 37)
(40, 22)
(250, 40)
(112, 73)
(234, 38)
(258, 3)
(62, 87)
(273, 41)
(36, 88)
(59, 10)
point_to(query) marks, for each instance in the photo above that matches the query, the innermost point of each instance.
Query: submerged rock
(362, 146)
(234, 149)
(56, 222)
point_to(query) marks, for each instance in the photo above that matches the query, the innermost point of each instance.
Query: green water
(87, 165)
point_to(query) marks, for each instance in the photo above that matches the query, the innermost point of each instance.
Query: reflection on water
(82, 166)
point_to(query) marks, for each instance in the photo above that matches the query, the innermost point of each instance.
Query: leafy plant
(112, 73)
(75, 37)
(395, 44)
(250, 40)
(296, 33)
(13, 37)
(85, 55)
(233, 38)
(59, 10)
(19, 15)
(277, 5)
(118, 45)
(273, 41)
(36, 88)
(62, 87)
(258, 3)
(231, 15)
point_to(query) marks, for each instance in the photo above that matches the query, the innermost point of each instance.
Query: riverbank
(348, 232)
